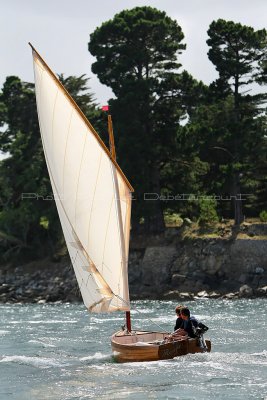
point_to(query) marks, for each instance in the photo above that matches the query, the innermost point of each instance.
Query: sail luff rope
(77, 108)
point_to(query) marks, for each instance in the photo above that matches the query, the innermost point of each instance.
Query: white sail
(92, 195)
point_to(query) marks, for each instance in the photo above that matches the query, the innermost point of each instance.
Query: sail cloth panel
(91, 194)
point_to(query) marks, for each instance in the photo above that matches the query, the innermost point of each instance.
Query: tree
(23, 171)
(237, 51)
(29, 223)
(136, 55)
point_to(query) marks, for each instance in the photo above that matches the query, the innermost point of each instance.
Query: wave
(100, 357)
(42, 343)
(52, 321)
(228, 361)
(105, 319)
(38, 362)
(262, 354)
(3, 332)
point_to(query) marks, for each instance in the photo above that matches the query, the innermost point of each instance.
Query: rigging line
(140, 312)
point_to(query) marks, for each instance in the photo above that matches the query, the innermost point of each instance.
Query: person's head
(178, 310)
(185, 313)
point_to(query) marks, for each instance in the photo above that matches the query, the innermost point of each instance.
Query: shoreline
(57, 283)
(169, 266)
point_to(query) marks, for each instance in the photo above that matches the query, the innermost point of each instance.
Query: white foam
(263, 353)
(52, 321)
(42, 343)
(3, 332)
(142, 311)
(97, 356)
(105, 319)
(37, 362)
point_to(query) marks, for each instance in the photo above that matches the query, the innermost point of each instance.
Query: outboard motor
(199, 332)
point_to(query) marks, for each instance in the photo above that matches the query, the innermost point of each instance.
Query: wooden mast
(113, 154)
(111, 137)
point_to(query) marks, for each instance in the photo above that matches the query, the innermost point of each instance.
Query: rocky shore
(39, 282)
(177, 266)
(167, 267)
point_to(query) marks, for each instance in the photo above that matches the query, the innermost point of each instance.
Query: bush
(207, 211)
(172, 219)
(263, 216)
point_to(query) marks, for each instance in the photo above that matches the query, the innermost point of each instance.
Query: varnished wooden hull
(143, 346)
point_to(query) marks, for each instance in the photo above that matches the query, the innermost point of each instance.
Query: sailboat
(93, 199)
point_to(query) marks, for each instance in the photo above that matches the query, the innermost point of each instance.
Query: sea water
(59, 351)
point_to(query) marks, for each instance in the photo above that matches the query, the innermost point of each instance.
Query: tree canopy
(136, 45)
(137, 55)
(237, 51)
(29, 222)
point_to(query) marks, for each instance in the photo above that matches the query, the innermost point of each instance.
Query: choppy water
(61, 352)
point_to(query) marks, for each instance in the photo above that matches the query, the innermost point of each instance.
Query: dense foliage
(29, 223)
(187, 148)
(136, 55)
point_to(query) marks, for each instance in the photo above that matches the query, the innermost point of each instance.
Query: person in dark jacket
(179, 320)
(190, 327)
(189, 324)
(183, 327)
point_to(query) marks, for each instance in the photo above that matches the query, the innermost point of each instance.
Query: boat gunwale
(189, 339)
(120, 334)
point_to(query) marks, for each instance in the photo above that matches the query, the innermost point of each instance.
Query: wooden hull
(146, 346)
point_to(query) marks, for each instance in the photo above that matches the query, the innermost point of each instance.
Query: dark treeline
(174, 135)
